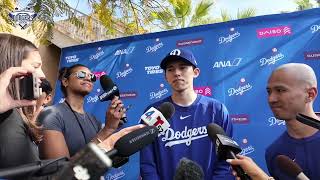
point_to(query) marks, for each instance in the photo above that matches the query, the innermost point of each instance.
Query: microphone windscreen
(167, 109)
(106, 82)
(136, 140)
(288, 166)
(214, 129)
(188, 170)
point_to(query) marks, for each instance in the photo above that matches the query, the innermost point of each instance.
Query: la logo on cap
(175, 52)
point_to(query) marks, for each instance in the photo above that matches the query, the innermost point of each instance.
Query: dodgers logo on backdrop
(246, 148)
(155, 47)
(97, 55)
(273, 121)
(274, 31)
(203, 90)
(124, 73)
(153, 69)
(227, 63)
(190, 42)
(126, 51)
(160, 93)
(240, 118)
(315, 28)
(72, 59)
(241, 89)
(229, 38)
(186, 136)
(273, 59)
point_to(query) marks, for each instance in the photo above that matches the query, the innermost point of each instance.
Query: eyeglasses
(83, 74)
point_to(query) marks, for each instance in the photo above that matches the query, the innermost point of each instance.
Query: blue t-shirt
(187, 137)
(60, 118)
(304, 152)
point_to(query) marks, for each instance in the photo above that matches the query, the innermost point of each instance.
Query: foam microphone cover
(188, 170)
(167, 109)
(214, 129)
(288, 166)
(136, 140)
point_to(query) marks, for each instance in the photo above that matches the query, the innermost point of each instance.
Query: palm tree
(304, 4)
(241, 14)
(6, 23)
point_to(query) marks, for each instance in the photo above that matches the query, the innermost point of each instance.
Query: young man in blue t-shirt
(292, 89)
(187, 135)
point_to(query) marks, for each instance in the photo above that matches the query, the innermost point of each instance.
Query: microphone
(133, 142)
(289, 167)
(158, 117)
(308, 120)
(188, 170)
(110, 89)
(226, 147)
(89, 163)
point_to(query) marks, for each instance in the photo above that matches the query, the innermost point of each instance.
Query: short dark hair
(46, 86)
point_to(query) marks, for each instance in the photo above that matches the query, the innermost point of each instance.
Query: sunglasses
(83, 74)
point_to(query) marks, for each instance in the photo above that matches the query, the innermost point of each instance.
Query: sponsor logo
(315, 28)
(25, 16)
(203, 90)
(92, 99)
(126, 51)
(276, 122)
(184, 117)
(124, 73)
(99, 74)
(246, 149)
(153, 69)
(72, 59)
(189, 42)
(243, 87)
(227, 63)
(128, 95)
(158, 94)
(114, 176)
(240, 118)
(185, 136)
(155, 47)
(229, 38)
(272, 59)
(312, 55)
(274, 31)
(97, 55)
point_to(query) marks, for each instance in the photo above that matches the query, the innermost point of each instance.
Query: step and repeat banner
(235, 59)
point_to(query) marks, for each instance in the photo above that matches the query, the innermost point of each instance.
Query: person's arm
(148, 168)
(7, 102)
(221, 169)
(250, 167)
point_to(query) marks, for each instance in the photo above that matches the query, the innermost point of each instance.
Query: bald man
(292, 89)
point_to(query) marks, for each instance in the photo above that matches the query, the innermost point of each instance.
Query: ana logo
(314, 28)
(97, 55)
(72, 59)
(276, 122)
(118, 174)
(246, 149)
(155, 47)
(229, 38)
(126, 51)
(124, 95)
(312, 55)
(204, 90)
(190, 42)
(227, 63)
(240, 118)
(274, 31)
(99, 74)
(153, 69)
(160, 93)
(185, 136)
(125, 72)
(25, 16)
(92, 99)
(243, 87)
(272, 59)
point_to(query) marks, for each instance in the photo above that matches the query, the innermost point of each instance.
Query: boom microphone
(289, 167)
(158, 117)
(133, 142)
(226, 148)
(110, 89)
(188, 170)
(308, 121)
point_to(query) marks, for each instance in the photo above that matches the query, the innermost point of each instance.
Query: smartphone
(30, 87)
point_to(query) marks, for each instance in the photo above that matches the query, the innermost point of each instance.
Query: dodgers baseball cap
(179, 54)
